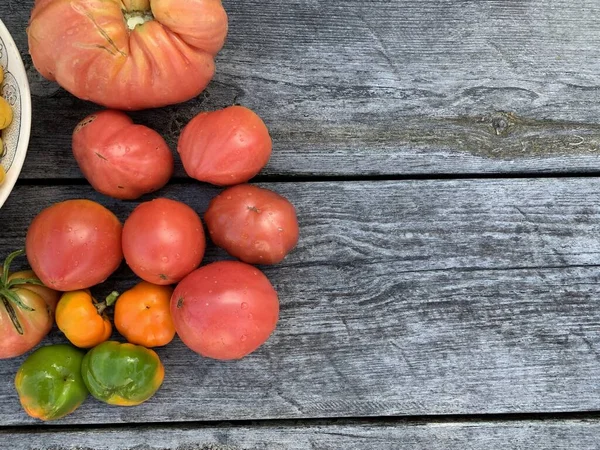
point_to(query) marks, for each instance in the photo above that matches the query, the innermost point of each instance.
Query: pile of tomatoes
(223, 310)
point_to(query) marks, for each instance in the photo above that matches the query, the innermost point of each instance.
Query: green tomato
(49, 382)
(122, 374)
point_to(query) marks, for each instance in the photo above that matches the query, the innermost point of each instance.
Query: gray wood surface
(382, 87)
(471, 435)
(402, 298)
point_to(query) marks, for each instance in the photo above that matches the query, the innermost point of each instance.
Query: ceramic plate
(15, 89)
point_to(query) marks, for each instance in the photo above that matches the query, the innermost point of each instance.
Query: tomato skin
(50, 296)
(225, 147)
(225, 310)
(143, 315)
(74, 244)
(49, 382)
(256, 225)
(122, 374)
(163, 241)
(119, 158)
(88, 48)
(34, 323)
(79, 316)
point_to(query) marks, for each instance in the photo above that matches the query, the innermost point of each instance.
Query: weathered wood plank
(402, 298)
(402, 87)
(472, 435)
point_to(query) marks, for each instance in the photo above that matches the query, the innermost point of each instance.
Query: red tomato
(253, 224)
(128, 54)
(225, 310)
(26, 311)
(119, 158)
(163, 241)
(74, 244)
(225, 147)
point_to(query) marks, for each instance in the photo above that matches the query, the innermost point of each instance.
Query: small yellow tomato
(81, 318)
(6, 114)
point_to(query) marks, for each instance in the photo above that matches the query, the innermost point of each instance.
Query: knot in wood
(500, 125)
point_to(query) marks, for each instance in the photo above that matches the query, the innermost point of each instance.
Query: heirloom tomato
(253, 224)
(143, 316)
(128, 54)
(225, 310)
(82, 319)
(49, 382)
(74, 244)
(119, 158)
(225, 147)
(163, 241)
(122, 374)
(27, 311)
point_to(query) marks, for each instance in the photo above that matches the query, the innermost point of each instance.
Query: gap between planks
(340, 178)
(456, 419)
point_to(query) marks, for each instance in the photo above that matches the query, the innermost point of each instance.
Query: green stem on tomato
(13, 316)
(7, 262)
(10, 295)
(17, 281)
(110, 300)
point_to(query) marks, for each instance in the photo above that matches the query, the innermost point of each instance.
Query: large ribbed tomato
(128, 54)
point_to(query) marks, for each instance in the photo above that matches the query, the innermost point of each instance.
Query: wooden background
(443, 157)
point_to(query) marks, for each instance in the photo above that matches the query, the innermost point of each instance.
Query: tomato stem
(111, 298)
(17, 281)
(134, 19)
(7, 262)
(14, 298)
(109, 301)
(9, 297)
(13, 316)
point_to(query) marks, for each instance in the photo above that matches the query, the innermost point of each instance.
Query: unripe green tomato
(49, 382)
(122, 374)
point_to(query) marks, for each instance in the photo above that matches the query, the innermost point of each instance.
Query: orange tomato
(143, 316)
(81, 318)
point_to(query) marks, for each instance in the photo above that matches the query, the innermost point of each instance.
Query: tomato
(119, 158)
(225, 147)
(143, 315)
(225, 310)
(128, 54)
(49, 382)
(82, 319)
(74, 244)
(163, 241)
(253, 224)
(122, 374)
(26, 311)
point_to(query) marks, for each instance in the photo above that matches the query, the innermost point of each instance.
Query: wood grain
(402, 298)
(383, 87)
(471, 435)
